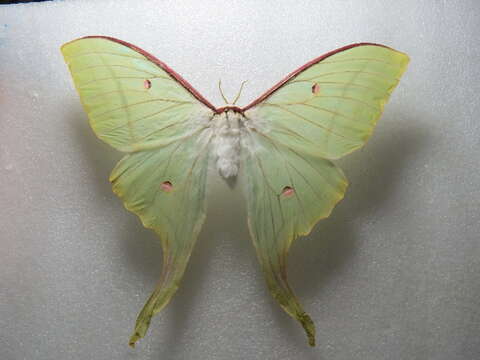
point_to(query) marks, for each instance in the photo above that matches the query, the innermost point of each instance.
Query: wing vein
(356, 59)
(114, 92)
(147, 116)
(124, 77)
(339, 83)
(308, 120)
(113, 66)
(380, 75)
(140, 57)
(349, 98)
(141, 103)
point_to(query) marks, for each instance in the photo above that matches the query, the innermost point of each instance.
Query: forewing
(133, 101)
(138, 105)
(287, 194)
(330, 106)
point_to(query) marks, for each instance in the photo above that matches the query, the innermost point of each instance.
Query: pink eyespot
(147, 84)
(166, 186)
(288, 191)
(315, 89)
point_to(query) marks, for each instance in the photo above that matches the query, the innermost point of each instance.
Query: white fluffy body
(229, 135)
(226, 144)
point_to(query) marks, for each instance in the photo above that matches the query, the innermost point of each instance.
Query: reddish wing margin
(295, 73)
(174, 75)
(177, 77)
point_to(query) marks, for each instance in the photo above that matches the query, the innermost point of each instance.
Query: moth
(284, 142)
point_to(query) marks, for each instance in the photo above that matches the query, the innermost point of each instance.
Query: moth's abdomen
(227, 152)
(227, 144)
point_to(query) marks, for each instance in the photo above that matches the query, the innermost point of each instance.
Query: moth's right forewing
(330, 107)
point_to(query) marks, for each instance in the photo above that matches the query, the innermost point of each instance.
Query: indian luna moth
(284, 142)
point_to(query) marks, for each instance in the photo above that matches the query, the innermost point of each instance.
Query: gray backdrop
(392, 274)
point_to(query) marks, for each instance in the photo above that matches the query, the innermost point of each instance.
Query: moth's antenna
(221, 91)
(239, 92)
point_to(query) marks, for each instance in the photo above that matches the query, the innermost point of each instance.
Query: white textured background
(392, 274)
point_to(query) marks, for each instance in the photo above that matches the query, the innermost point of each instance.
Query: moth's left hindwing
(136, 105)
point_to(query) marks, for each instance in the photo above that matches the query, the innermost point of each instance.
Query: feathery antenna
(221, 91)
(239, 92)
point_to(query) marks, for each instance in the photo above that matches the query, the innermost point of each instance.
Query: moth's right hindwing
(324, 111)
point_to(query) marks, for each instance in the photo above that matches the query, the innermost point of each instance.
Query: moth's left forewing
(133, 101)
(324, 110)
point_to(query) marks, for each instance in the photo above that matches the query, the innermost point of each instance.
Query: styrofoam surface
(392, 274)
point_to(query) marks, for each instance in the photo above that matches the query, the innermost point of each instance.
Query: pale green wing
(330, 106)
(288, 193)
(133, 101)
(322, 111)
(166, 189)
(138, 105)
